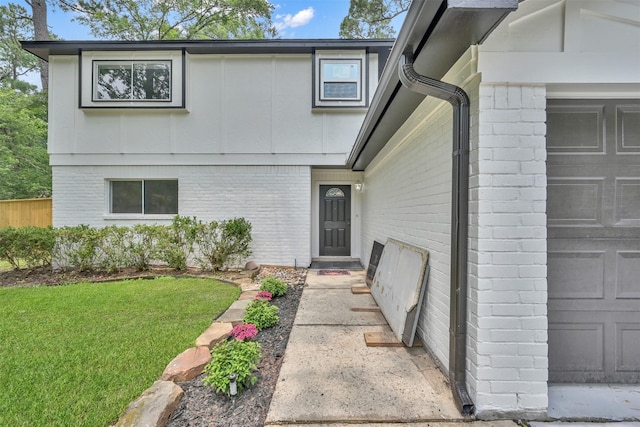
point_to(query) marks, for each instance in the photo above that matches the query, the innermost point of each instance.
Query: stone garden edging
(155, 405)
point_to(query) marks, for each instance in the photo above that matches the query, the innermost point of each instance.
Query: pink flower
(244, 332)
(264, 295)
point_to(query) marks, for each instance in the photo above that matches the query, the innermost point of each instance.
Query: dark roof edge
(421, 20)
(389, 78)
(44, 49)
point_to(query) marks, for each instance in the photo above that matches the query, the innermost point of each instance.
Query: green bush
(177, 241)
(142, 245)
(223, 242)
(112, 254)
(213, 245)
(262, 314)
(37, 245)
(8, 250)
(76, 247)
(277, 287)
(27, 246)
(232, 357)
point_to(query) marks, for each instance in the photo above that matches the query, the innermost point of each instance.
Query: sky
(293, 18)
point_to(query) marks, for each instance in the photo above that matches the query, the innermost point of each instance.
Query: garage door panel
(628, 347)
(628, 274)
(627, 129)
(575, 201)
(565, 119)
(593, 214)
(576, 347)
(576, 275)
(627, 202)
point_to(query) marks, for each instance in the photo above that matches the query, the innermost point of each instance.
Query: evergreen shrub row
(187, 241)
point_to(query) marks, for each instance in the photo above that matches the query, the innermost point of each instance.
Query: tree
(24, 163)
(174, 19)
(41, 33)
(369, 19)
(15, 25)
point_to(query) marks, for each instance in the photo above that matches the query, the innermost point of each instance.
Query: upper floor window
(152, 79)
(340, 79)
(132, 81)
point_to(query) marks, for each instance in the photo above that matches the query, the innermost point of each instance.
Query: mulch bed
(200, 405)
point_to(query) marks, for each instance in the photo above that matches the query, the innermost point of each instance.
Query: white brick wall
(507, 370)
(275, 199)
(407, 196)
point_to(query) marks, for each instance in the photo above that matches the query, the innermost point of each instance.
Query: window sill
(116, 217)
(339, 109)
(118, 108)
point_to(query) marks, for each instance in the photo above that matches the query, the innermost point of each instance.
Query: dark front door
(335, 220)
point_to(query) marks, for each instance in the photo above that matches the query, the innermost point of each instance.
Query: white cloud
(292, 21)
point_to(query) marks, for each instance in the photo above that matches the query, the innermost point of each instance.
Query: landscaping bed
(200, 406)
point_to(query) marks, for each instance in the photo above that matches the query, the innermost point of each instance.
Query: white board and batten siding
(239, 110)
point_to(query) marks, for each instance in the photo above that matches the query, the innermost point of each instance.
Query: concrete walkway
(329, 376)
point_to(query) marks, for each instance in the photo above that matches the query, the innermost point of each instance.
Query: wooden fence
(22, 213)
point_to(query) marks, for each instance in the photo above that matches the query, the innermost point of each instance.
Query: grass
(77, 355)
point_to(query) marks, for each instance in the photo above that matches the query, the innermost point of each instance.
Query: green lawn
(77, 355)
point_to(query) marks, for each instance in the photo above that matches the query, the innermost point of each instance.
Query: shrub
(243, 332)
(111, 248)
(262, 314)
(27, 246)
(232, 357)
(277, 287)
(8, 237)
(37, 244)
(112, 253)
(223, 242)
(142, 245)
(177, 241)
(75, 247)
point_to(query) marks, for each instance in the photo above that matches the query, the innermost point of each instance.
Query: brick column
(507, 370)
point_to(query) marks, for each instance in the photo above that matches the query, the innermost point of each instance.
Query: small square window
(144, 197)
(340, 79)
(132, 81)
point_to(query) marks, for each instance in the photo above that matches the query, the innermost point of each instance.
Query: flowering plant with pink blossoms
(246, 331)
(264, 295)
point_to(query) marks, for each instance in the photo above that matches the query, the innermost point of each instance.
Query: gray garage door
(593, 212)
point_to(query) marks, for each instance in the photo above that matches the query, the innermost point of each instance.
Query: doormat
(333, 273)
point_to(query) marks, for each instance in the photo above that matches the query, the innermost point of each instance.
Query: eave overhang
(44, 49)
(437, 33)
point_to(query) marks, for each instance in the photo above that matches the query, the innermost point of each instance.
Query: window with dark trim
(132, 81)
(340, 79)
(146, 197)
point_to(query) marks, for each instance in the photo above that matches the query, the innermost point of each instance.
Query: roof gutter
(459, 100)
(440, 31)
